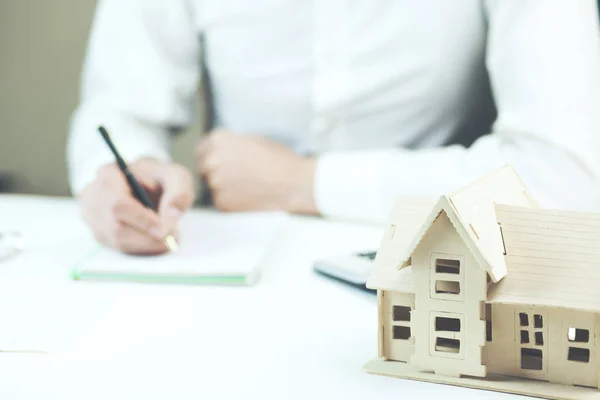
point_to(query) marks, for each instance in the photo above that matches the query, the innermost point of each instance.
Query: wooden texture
(562, 369)
(526, 365)
(407, 217)
(553, 258)
(473, 214)
(503, 290)
(492, 382)
(380, 325)
(597, 346)
(475, 207)
(442, 241)
(498, 354)
(393, 348)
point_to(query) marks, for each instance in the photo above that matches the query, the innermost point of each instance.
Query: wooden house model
(485, 289)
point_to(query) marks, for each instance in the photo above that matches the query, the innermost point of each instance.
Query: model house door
(531, 343)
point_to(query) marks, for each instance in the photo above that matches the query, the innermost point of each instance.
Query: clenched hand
(248, 173)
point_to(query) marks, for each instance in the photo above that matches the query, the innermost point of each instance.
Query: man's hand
(247, 173)
(120, 221)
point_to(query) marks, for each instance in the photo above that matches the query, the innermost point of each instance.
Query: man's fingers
(146, 180)
(178, 188)
(126, 239)
(129, 240)
(178, 195)
(170, 216)
(129, 211)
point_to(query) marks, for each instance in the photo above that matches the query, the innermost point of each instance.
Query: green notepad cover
(78, 274)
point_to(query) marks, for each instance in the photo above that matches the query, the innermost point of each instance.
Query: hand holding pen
(135, 208)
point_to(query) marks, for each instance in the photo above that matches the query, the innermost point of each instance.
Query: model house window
(532, 330)
(447, 266)
(578, 354)
(447, 277)
(532, 359)
(447, 335)
(579, 345)
(401, 313)
(446, 345)
(401, 322)
(488, 322)
(450, 287)
(578, 335)
(443, 324)
(401, 332)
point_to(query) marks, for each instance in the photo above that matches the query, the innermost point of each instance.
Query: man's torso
(344, 75)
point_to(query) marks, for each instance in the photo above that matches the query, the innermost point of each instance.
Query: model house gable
(471, 209)
(449, 283)
(439, 262)
(445, 208)
(445, 272)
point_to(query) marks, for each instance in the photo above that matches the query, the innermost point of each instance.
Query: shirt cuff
(348, 186)
(87, 151)
(363, 185)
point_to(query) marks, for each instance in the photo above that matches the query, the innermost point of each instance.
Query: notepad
(214, 248)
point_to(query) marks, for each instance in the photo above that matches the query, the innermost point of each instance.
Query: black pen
(138, 191)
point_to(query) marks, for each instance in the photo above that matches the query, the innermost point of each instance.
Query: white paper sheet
(227, 244)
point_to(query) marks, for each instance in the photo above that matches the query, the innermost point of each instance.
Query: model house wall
(548, 344)
(449, 288)
(553, 269)
(397, 337)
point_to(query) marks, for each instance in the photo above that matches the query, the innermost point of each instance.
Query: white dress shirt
(379, 89)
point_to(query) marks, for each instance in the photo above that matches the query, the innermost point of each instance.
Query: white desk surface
(294, 335)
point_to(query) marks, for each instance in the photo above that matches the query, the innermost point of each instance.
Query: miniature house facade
(483, 281)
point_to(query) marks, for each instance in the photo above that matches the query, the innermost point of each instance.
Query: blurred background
(42, 45)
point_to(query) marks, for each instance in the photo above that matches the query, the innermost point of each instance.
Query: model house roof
(407, 217)
(472, 212)
(553, 258)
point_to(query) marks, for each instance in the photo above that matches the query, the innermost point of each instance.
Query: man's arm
(139, 80)
(544, 62)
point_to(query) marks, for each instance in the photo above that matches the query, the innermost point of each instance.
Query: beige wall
(42, 44)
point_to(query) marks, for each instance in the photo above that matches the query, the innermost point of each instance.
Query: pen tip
(171, 244)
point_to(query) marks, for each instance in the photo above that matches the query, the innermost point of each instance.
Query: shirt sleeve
(139, 80)
(543, 58)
